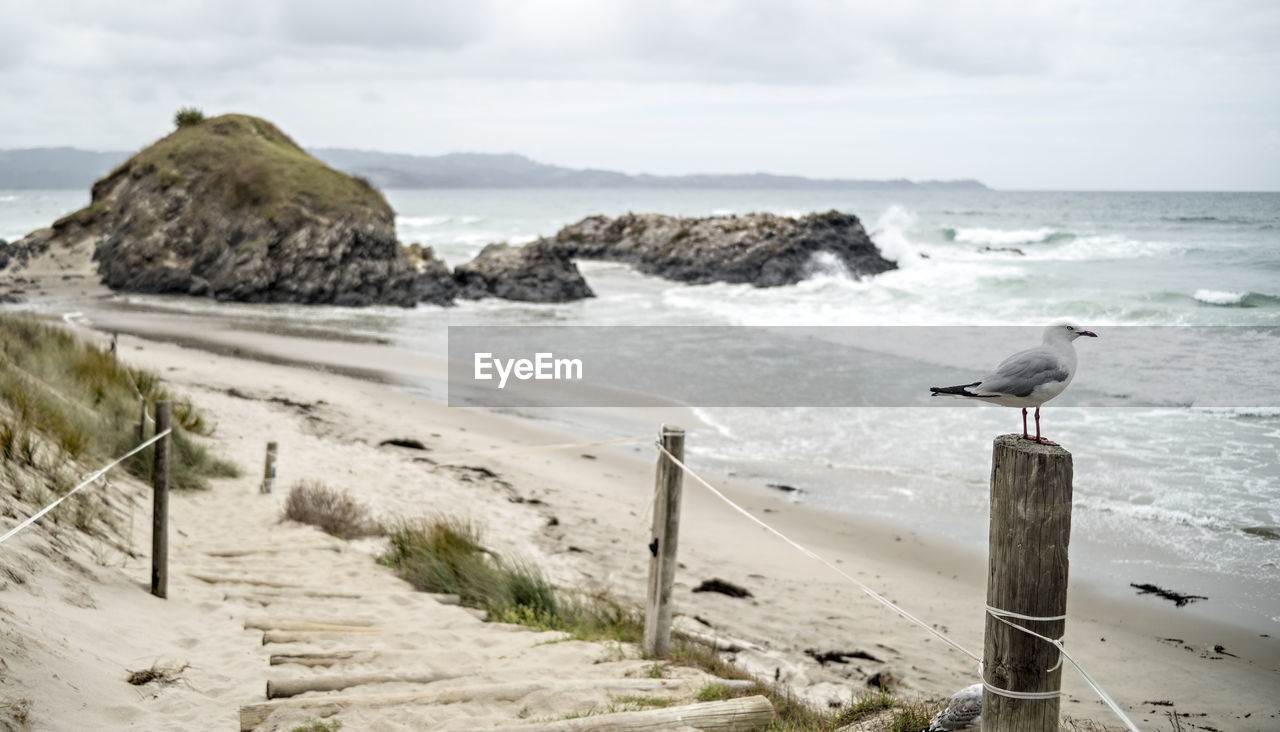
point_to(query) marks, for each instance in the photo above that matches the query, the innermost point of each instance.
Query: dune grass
(334, 512)
(63, 399)
(448, 555)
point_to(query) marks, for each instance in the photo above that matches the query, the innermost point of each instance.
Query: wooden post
(114, 337)
(662, 548)
(160, 506)
(269, 469)
(1027, 574)
(142, 419)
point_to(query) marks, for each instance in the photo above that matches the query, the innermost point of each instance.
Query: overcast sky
(1051, 95)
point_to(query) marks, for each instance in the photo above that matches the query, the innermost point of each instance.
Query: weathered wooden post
(269, 469)
(1027, 575)
(160, 506)
(114, 338)
(662, 549)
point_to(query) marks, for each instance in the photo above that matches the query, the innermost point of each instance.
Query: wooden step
(746, 713)
(284, 688)
(253, 715)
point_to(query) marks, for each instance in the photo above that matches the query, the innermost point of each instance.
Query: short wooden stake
(1027, 574)
(160, 506)
(662, 548)
(142, 419)
(269, 469)
(114, 338)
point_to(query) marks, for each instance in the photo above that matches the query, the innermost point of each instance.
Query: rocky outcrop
(762, 249)
(231, 208)
(434, 284)
(531, 273)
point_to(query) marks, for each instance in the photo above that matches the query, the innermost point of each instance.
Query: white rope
(534, 448)
(89, 480)
(1027, 695)
(872, 593)
(1002, 616)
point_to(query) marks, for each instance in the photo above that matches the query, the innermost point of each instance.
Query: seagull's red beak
(1089, 333)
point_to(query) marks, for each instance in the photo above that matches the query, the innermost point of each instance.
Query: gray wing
(963, 712)
(1019, 374)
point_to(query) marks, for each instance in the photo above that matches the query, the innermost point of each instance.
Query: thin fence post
(160, 505)
(114, 338)
(269, 469)
(142, 418)
(662, 548)
(1027, 574)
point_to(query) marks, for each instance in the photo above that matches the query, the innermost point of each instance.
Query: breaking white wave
(891, 236)
(1002, 237)
(1218, 297)
(422, 220)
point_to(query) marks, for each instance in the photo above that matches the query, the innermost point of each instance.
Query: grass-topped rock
(230, 207)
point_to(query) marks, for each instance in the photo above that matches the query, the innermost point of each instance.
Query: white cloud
(1092, 94)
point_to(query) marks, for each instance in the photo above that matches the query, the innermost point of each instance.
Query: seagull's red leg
(1025, 436)
(1040, 439)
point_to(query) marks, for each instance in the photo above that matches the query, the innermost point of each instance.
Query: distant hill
(66, 167)
(483, 170)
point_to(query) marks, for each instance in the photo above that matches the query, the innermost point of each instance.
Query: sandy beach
(77, 617)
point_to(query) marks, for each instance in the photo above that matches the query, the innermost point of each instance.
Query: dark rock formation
(762, 249)
(533, 273)
(232, 208)
(19, 253)
(435, 283)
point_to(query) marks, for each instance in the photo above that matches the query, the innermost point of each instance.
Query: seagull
(1028, 378)
(964, 711)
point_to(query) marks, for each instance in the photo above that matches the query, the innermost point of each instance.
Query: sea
(1169, 492)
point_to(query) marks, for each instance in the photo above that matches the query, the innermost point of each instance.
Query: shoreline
(934, 578)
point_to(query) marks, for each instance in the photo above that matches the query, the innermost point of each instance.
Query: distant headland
(73, 168)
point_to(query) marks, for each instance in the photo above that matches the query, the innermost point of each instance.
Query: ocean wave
(7, 199)
(422, 220)
(1062, 247)
(890, 236)
(827, 264)
(1208, 219)
(1246, 299)
(1005, 237)
(1104, 247)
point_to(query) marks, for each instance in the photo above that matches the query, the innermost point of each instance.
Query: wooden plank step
(746, 713)
(323, 659)
(253, 715)
(337, 626)
(306, 636)
(222, 553)
(284, 688)
(215, 579)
